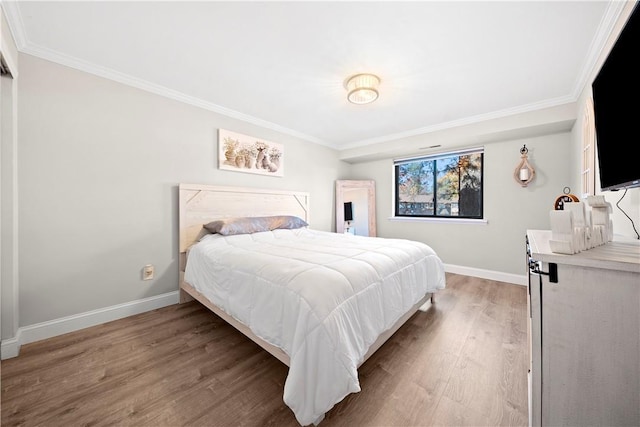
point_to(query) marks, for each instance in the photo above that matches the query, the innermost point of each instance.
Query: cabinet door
(535, 351)
(591, 347)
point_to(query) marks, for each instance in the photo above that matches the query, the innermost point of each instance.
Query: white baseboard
(28, 334)
(516, 279)
(40, 331)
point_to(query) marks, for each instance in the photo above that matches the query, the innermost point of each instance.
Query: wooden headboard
(201, 204)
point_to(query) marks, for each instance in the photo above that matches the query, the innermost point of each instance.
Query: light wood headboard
(201, 204)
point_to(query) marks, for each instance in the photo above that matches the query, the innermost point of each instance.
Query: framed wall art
(244, 153)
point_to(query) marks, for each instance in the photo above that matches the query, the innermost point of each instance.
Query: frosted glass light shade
(363, 88)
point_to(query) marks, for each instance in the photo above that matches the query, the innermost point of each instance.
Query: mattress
(322, 297)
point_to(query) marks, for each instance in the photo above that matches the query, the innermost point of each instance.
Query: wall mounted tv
(616, 105)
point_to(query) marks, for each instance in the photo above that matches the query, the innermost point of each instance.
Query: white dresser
(584, 334)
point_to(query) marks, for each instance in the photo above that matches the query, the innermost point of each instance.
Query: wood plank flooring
(462, 362)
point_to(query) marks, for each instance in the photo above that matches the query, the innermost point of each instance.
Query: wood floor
(463, 362)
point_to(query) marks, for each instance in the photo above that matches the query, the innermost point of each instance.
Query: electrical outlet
(147, 272)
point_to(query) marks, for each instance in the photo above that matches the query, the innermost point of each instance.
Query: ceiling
(283, 65)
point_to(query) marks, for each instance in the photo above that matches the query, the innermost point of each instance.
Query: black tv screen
(616, 105)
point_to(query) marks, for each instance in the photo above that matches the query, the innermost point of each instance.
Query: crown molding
(598, 45)
(24, 45)
(16, 25)
(464, 122)
(107, 73)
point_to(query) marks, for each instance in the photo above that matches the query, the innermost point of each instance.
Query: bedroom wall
(99, 164)
(498, 245)
(8, 183)
(510, 210)
(630, 204)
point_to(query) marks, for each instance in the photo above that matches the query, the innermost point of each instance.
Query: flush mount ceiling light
(362, 88)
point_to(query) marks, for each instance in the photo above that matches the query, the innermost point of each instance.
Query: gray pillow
(247, 225)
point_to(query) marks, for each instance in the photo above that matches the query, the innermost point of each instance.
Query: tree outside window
(446, 185)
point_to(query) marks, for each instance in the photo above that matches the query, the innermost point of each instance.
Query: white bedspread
(322, 297)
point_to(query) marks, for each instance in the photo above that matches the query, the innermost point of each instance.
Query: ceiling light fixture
(362, 88)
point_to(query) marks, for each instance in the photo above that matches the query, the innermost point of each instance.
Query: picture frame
(243, 153)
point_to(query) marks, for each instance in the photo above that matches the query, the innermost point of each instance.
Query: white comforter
(322, 297)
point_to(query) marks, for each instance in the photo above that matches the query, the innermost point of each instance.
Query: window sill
(449, 220)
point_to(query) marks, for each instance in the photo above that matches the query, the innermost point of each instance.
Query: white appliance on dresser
(584, 334)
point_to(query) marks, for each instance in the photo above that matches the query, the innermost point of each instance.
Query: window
(446, 185)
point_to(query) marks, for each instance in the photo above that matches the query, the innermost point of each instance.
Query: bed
(320, 302)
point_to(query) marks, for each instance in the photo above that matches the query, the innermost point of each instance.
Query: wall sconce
(524, 172)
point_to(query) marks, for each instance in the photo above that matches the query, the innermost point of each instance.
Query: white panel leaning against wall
(588, 150)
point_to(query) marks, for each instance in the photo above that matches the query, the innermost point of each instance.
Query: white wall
(99, 165)
(621, 203)
(8, 186)
(630, 204)
(509, 208)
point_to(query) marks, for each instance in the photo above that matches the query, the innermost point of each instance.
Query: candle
(524, 174)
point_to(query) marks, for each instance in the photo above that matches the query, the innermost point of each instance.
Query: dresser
(584, 334)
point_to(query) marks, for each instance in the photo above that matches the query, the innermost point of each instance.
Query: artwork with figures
(243, 153)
